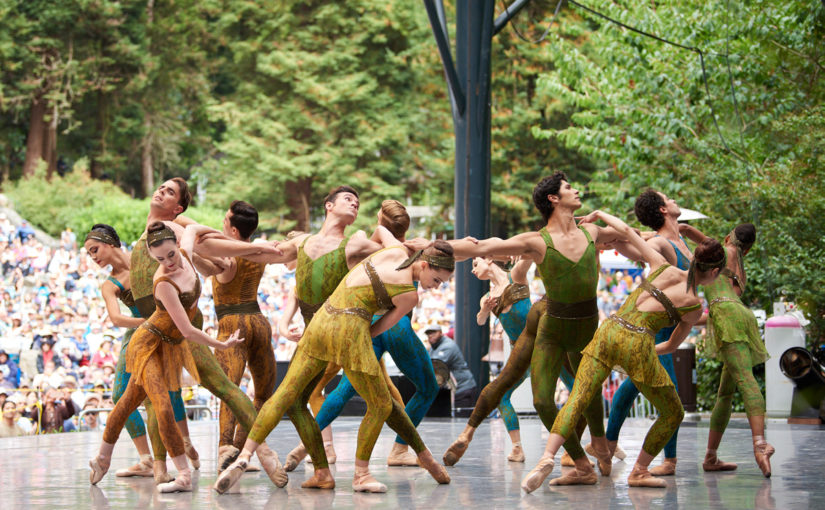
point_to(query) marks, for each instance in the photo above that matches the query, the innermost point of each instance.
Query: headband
(103, 237)
(440, 261)
(703, 266)
(160, 235)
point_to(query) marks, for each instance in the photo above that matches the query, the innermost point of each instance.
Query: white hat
(433, 327)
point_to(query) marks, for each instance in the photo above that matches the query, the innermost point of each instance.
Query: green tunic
(317, 279)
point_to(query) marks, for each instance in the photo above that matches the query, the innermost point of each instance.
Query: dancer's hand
(470, 239)
(293, 333)
(233, 340)
(419, 243)
(589, 218)
(269, 248)
(488, 303)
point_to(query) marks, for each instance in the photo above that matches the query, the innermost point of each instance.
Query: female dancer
(341, 333)
(157, 352)
(103, 246)
(626, 339)
(733, 337)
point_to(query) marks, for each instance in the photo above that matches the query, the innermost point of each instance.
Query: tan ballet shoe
(294, 458)
(516, 454)
(183, 483)
(763, 451)
(666, 468)
(456, 451)
(142, 468)
(230, 476)
(160, 473)
(619, 453)
(363, 481)
(272, 466)
(605, 460)
(400, 455)
(641, 477)
(329, 450)
(191, 454)
(99, 466)
(576, 477)
(436, 470)
(537, 476)
(567, 460)
(316, 482)
(227, 454)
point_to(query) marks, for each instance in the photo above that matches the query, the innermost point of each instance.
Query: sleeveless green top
(316, 279)
(730, 321)
(570, 283)
(141, 273)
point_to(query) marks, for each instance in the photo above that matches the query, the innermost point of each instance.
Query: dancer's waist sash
(581, 310)
(247, 308)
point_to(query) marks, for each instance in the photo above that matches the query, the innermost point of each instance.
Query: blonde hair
(395, 218)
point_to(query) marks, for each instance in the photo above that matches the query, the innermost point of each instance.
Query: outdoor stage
(52, 472)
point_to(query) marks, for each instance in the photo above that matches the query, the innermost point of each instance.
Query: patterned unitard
(212, 377)
(236, 305)
(626, 339)
(339, 334)
(155, 359)
(627, 392)
(733, 337)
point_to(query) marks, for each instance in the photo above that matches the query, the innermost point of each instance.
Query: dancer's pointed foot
(363, 481)
(142, 468)
(567, 460)
(763, 452)
(160, 472)
(183, 483)
(712, 463)
(191, 454)
(230, 476)
(641, 477)
(619, 453)
(272, 465)
(295, 457)
(436, 470)
(612, 445)
(227, 454)
(537, 476)
(666, 468)
(605, 459)
(517, 454)
(456, 450)
(99, 466)
(322, 479)
(329, 450)
(576, 477)
(400, 455)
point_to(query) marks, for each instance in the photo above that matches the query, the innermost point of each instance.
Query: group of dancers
(355, 293)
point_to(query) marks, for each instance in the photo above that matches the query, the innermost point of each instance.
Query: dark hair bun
(709, 251)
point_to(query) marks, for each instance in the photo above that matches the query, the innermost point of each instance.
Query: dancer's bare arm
(519, 272)
(679, 333)
(214, 244)
(692, 233)
(404, 303)
(109, 291)
(360, 247)
(648, 254)
(486, 306)
(528, 245)
(290, 333)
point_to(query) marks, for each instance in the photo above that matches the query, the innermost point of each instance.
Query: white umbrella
(690, 214)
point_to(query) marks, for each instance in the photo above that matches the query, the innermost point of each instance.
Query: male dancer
(565, 257)
(654, 210)
(168, 202)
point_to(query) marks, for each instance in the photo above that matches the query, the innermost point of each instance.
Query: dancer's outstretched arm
(166, 293)
(679, 334)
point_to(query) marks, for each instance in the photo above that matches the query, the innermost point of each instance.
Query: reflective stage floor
(52, 472)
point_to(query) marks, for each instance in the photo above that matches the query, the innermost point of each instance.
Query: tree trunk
(96, 166)
(298, 196)
(50, 144)
(34, 141)
(147, 180)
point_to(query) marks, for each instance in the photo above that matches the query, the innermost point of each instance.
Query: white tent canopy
(690, 214)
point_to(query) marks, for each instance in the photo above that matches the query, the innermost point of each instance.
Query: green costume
(569, 321)
(733, 337)
(626, 340)
(141, 274)
(340, 334)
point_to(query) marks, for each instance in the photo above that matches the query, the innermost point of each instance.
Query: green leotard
(316, 279)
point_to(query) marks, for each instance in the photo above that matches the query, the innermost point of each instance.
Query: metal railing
(200, 411)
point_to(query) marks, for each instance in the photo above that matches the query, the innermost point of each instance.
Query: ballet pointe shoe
(160, 472)
(294, 458)
(436, 470)
(539, 473)
(329, 451)
(666, 468)
(100, 464)
(230, 476)
(227, 454)
(618, 452)
(181, 483)
(567, 460)
(320, 481)
(576, 477)
(712, 463)
(456, 450)
(272, 465)
(516, 454)
(763, 452)
(191, 453)
(605, 460)
(142, 468)
(641, 477)
(363, 481)
(400, 455)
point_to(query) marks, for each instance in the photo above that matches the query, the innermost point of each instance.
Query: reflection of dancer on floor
(235, 292)
(168, 202)
(103, 246)
(341, 333)
(733, 338)
(566, 260)
(626, 339)
(157, 353)
(407, 352)
(657, 211)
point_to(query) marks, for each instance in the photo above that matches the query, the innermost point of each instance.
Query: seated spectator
(90, 419)
(56, 411)
(104, 355)
(8, 424)
(9, 369)
(446, 350)
(4, 383)
(46, 353)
